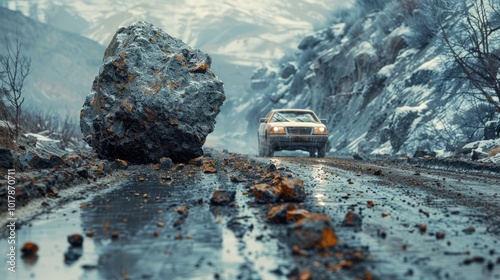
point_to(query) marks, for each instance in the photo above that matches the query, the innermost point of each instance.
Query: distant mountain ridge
(63, 66)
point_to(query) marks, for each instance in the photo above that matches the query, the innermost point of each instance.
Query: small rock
(235, 179)
(378, 172)
(370, 203)
(29, 249)
(424, 212)
(265, 193)
(120, 164)
(75, 240)
(165, 163)
(182, 210)
(89, 233)
(292, 190)
(209, 167)
(272, 167)
(297, 251)
(314, 231)
(352, 219)
(424, 154)
(222, 197)
(469, 230)
(440, 235)
(296, 215)
(357, 157)
(422, 228)
(277, 214)
(82, 172)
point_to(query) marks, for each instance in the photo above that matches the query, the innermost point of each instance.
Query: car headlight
(277, 130)
(320, 130)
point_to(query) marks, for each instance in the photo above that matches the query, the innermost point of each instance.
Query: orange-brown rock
(75, 240)
(265, 193)
(352, 219)
(314, 231)
(222, 197)
(278, 214)
(292, 190)
(29, 249)
(209, 167)
(296, 215)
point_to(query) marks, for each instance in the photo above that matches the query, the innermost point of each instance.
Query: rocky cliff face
(381, 92)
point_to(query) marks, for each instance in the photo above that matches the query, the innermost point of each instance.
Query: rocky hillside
(382, 77)
(63, 65)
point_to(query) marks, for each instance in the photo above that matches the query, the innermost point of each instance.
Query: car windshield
(293, 117)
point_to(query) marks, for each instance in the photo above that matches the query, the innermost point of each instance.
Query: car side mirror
(322, 121)
(262, 120)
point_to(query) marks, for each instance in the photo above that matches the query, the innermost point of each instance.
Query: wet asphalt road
(160, 225)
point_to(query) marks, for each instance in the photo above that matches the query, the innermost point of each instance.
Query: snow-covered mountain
(249, 31)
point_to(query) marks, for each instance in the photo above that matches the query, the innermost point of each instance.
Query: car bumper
(306, 142)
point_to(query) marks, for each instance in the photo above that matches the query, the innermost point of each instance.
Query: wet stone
(278, 214)
(292, 190)
(352, 219)
(265, 193)
(314, 231)
(209, 167)
(29, 249)
(75, 240)
(222, 197)
(120, 164)
(82, 172)
(296, 215)
(165, 163)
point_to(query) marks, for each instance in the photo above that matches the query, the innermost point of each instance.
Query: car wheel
(322, 151)
(269, 151)
(261, 148)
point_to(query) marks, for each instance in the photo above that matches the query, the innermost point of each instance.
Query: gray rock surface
(154, 97)
(6, 158)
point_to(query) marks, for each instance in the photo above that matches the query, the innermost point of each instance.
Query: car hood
(296, 124)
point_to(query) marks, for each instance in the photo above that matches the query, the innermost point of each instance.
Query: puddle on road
(50, 231)
(201, 247)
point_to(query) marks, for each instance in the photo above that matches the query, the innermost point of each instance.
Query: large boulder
(154, 97)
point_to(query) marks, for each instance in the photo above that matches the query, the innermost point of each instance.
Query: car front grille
(299, 130)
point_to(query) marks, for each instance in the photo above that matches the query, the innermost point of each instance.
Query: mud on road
(387, 221)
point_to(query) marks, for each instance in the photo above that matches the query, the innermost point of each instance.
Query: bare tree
(15, 70)
(475, 47)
